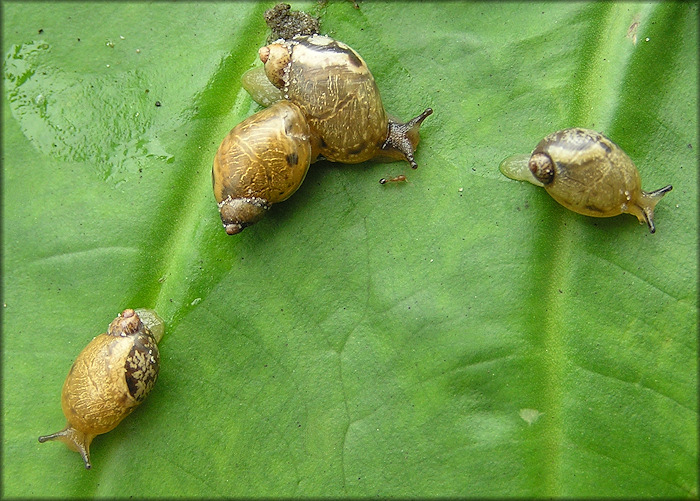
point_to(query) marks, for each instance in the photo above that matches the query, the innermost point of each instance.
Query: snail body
(337, 94)
(587, 173)
(256, 83)
(111, 376)
(262, 161)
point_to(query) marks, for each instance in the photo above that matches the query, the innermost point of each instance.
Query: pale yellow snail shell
(111, 376)
(337, 94)
(587, 173)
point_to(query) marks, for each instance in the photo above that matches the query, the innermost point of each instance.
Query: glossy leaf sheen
(460, 334)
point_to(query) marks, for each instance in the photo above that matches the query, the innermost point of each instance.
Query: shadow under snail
(587, 173)
(111, 376)
(326, 105)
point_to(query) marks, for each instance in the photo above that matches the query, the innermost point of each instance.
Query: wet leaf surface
(460, 334)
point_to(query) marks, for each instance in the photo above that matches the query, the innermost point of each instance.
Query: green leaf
(460, 334)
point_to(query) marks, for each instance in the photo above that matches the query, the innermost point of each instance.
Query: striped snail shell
(262, 161)
(337, 94)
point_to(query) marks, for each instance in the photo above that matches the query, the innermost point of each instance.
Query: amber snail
(111, 376)
(326, 105)
(337, 93)
(587, 173)
(262, 161)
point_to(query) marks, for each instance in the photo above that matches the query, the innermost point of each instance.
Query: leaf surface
(457, 335)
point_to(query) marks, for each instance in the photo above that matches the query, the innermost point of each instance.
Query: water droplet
(100, 130)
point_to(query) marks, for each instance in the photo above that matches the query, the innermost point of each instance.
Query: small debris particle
(286, 24)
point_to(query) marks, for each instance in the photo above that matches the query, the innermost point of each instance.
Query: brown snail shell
(262, 161)
(111, 376)
(587, 173)
(337, 94)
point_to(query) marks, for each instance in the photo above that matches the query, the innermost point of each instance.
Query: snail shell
(587, 173)
(111, 376)
(337, 94)
(262, 161)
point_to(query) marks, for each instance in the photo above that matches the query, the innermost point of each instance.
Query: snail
(587, 173)
(111, 376)
(325, 104)
(263, 160)
(337, 94)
